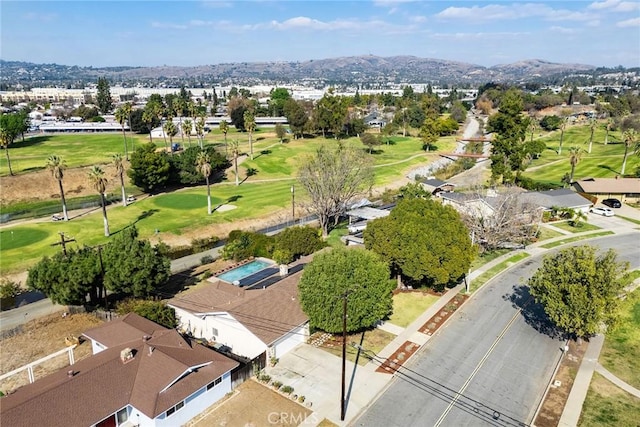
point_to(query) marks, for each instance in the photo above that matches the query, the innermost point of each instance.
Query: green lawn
(621, 351)
(607, 405)
(407, 306)
(495, 270)
(373, 340)
(576, 239)
(547, 233)
(584, 226)
(488, 256)
(604, 161)
(335, 235)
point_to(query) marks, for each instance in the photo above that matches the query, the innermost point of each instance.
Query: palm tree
(117, 162)
(200, 130)
(250, 126)
(178, 107)
(187, 127)
(630, 138)
(168, 128)
(57, 166)
(533, 125)
(122, 115)
(99, 183)
(562, 127)
(147, 117)
(224, 128)
(575, 155)
(608, 127)
(235, 151)
(592, 125)
(203, 165)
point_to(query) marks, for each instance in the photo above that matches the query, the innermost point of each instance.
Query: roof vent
(146, 338)
(126, 355)
(151, 348)
(70, 373)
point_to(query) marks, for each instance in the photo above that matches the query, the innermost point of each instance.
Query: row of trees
(12, 125)
(125, 265)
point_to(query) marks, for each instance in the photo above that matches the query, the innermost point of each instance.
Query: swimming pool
(244, 274)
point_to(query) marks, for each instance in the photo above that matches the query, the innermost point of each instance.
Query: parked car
(602, 211)
(131, 198)
(357, 227)
(612, 203)
(56, 217)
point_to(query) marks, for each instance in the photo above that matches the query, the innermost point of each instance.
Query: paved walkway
(617, 381)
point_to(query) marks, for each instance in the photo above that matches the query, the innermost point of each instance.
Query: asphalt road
(491, 363)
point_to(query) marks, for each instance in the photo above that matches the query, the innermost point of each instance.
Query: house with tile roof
(147, 376)
(251, 323)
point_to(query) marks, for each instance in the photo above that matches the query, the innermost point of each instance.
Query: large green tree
(68, 278)
(12, 125)
(424, 242)
(509, 126)
(277, 100)
(296, 116)
(103, 97)
(56, 166)
(579, 288)
(133, 266)
(355, 274)
(149, 169)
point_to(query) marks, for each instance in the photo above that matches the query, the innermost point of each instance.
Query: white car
(602, 211)
(131, 198)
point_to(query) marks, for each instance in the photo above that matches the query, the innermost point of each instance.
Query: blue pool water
(243, 271)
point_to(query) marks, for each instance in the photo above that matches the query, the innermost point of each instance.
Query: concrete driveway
(317, 375)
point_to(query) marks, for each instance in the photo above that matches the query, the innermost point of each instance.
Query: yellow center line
(479, 366)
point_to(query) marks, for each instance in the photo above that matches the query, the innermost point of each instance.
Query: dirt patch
(41, 337)
(40, 185)
(443, 314)
(253, 405)
(554, 402)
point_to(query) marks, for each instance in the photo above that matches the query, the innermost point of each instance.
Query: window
(122, 416)
(173, 409)
(214, 332)
(214, 383)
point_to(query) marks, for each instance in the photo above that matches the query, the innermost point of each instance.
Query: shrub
(9, 289)
(206, 274)
(301, 399)
(156, 311)
(206, 259)
(299, 241)
(206, 243)
(245, 244)
(277, 385)
(287, 389)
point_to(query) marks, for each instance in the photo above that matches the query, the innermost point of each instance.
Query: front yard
(407, 306)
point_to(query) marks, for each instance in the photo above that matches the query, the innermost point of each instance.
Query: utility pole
(63, 242)
(467, 278)
(344, 353)
(293, 204)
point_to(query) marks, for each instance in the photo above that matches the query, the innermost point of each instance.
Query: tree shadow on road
(532, 311)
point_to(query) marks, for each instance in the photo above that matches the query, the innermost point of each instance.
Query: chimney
(151, 348)
(126, 355)
(70, 374)
(146, 338)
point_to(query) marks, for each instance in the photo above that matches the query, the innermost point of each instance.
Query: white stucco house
(264, 322)
(142, 374)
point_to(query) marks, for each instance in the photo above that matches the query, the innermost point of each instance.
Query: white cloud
(306, 23)
(478, 36)
(390, 3)
(43, 17)
(494, 12)
(634, 22)
(168, 26)
(615, 5)
(217, 4)
(418, 19)
(563, 30)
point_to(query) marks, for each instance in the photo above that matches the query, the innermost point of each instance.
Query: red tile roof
(102, 384)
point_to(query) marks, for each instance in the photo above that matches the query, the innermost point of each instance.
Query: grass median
(557, 243)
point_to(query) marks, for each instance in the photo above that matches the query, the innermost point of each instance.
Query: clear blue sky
(147, 33)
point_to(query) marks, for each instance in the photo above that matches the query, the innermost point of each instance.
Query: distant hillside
(369, 70)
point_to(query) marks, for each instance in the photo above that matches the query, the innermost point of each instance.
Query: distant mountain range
(369, 70)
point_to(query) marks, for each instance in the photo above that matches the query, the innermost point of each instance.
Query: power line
(447, 394)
